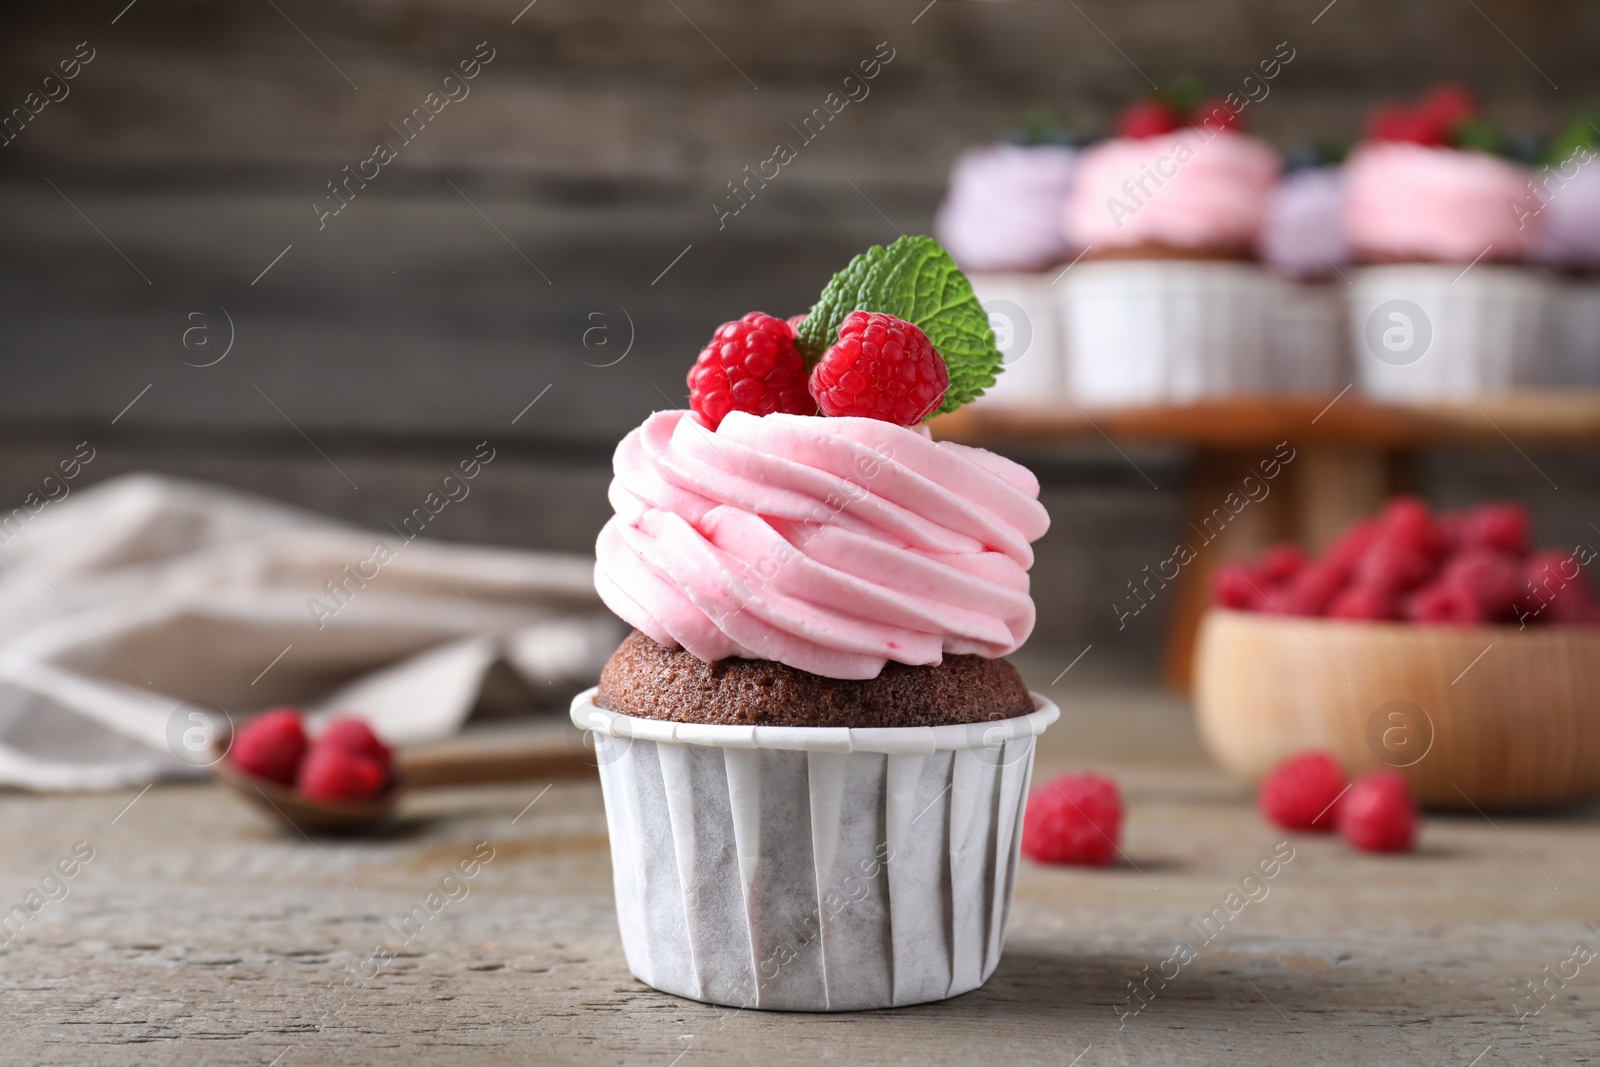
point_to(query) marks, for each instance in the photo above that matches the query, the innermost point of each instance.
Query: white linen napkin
(138, 615)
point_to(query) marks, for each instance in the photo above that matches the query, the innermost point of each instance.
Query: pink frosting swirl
(1187, 189)
(831, 545)
(1411, 201)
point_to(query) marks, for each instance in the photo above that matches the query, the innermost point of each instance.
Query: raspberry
(881, 368)
(353, 735)
(1378, 814)
(1075, 819)
(1373, 605)
(1346, 551)
(1449, 106)
(1408, 521)
(1315, 588)
(1396, 122)
(1393, 567)
(1489, 579)
(1556, 590)
(1231, 587)
(1302, 792)
(1282, 563)
(341, 775)
(1444, 602)
(795, 321)
(271, 746)
(1147, 118)
(750, 365)
(1501, 527)
(1216, 115)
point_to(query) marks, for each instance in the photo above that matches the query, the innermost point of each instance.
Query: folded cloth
(140, 617)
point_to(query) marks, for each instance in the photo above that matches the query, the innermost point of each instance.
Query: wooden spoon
(545, 758)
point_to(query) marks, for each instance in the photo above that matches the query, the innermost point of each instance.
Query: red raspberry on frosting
(1303, 791)
(1378, 814)
(1075, 819)
(271, 746)
(881, 368)
(750, 365)
(1215, 114)
(1147, 118)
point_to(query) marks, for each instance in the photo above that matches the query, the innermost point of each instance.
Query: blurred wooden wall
(522, 242)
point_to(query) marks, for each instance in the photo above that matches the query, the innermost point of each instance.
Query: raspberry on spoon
(750, 365)
(881, 368)
(271, 746)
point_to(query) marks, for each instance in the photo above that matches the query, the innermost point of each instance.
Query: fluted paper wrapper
(1308, 338)
(1572, 336)
(1165, 331)
(1485, 326)
(1025, 312)
(810, 868)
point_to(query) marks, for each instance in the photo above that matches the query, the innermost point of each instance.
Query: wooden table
(1349, 455)
(199, 934)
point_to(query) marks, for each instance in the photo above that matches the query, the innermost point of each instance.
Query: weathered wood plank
(197, 934)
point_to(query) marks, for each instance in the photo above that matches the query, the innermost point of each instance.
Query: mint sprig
(913, 279)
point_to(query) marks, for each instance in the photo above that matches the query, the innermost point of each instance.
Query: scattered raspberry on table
(1378, 814)
(1076, 818)
(1303, 792)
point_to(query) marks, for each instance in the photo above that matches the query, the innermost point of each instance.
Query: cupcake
(1564, 203)
(1446, 306)
(1169, 304)
(1001, 221)
(1303, 245)
(814, 757)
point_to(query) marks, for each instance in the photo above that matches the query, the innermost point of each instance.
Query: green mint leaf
(913, 279)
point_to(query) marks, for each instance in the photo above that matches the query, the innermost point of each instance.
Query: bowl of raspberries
(1441, 645)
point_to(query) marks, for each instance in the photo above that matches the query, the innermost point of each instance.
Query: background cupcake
(1169, 304)
(1001, 222)
(1446, 304)
(1304, 246)
(1564, 202)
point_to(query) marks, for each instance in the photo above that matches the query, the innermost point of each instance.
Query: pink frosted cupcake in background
(1564, 200)
(1305, 248)
(1446, 306)
(1169, 304)
(1001, 222)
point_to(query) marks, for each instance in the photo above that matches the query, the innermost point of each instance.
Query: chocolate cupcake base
(649, 681)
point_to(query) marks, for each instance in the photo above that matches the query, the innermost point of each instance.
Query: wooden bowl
(1491, 716)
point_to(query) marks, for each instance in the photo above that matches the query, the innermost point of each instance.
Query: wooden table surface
(199, 934)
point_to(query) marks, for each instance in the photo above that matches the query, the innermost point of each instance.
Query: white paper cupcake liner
(809, 868)
(1025, 312)
(1438, 331)
(1308, 349)
(1572, 337)
(1165, 331)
